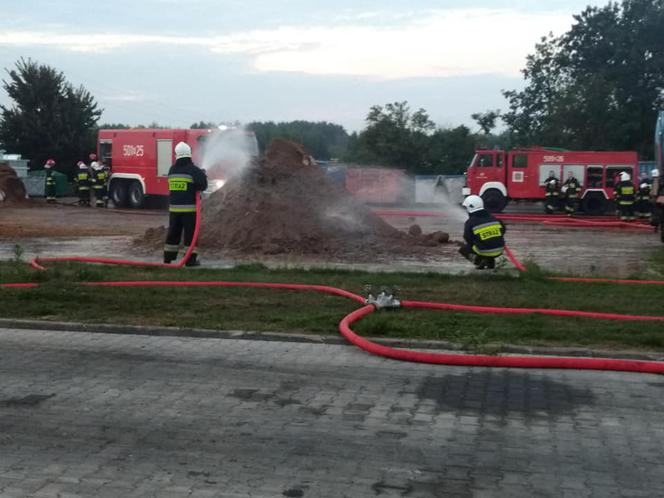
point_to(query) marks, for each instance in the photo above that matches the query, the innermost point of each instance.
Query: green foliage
(48, 117)
(486, 120)
(114, 126)
(323, 140)
(597, 86)
(203, 125)
(396, 137)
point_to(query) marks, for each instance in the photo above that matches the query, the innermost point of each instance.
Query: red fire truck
(499, 176)
(140, 158)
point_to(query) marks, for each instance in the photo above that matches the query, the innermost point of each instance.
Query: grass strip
(60, 299)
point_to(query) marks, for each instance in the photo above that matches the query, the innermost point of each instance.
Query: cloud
(435, 43)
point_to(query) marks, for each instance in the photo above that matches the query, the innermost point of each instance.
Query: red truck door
(521, 182)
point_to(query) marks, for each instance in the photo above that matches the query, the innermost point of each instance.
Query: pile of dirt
(12, 189)
(285, 204)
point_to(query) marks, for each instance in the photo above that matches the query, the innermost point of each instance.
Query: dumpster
(35, 183)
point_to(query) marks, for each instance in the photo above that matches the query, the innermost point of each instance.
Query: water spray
(227, 153)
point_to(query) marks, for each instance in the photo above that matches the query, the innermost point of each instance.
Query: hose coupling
(385, 299)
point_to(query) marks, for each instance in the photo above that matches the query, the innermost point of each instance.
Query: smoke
(448, 202)
(227, 154)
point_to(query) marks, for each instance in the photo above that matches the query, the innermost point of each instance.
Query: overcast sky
(176, 62)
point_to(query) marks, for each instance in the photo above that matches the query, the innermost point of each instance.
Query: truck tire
(136, 195)
(118, 193)
(494, 200)
(594, 204)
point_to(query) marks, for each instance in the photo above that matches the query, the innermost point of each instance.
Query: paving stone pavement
(101, 415)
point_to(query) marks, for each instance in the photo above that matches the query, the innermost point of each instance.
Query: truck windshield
(486, 160)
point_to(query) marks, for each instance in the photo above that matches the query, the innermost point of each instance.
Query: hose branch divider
(390, 301)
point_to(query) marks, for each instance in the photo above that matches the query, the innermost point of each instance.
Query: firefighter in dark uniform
(484, 235)
(50, 182)
(572, 189)
(624, 196)
(552, 193)
(185, 179)
(643, 205)
(99, 180)
(82, 180)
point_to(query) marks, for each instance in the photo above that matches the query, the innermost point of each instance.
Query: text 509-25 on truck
(499, 176)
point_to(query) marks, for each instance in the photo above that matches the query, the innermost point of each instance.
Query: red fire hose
(36, 262)
(653, 367)
(401, 354)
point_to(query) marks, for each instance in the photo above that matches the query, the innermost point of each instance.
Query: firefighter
(184, 180)
(50, 182)
(99, 180)
(82, 180)
(552, 193)
(624, 196)
(643, 206)
(484, 235)
(571, 189)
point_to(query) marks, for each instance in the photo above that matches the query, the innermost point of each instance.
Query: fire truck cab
(499, 176)
(139, 159)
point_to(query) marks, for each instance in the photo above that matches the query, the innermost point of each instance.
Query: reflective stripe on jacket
(184, 180)
(484, 234)
(624, 193)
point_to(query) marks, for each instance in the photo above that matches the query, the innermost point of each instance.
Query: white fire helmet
(95, 165)
(182, 150)
(81, 165)
(654, 173)
(473, 203)
(625, 177)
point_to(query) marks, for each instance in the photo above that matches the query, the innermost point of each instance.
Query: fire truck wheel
(594, 204)
(494, 200)
(136, 195)
(118, 193)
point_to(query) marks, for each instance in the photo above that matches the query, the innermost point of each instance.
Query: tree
(395, 137)
(598, 86)
(323, 140)
(203, 125)
(486, 120)
(49, 117)
(114, 126)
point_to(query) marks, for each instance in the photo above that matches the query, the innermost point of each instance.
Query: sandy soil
(68, 230)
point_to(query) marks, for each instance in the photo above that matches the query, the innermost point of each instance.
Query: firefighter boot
(193, 260)
(170, 256)
(482, 263)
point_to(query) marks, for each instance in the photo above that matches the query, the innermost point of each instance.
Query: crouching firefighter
(484, 234)
(185, 179)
